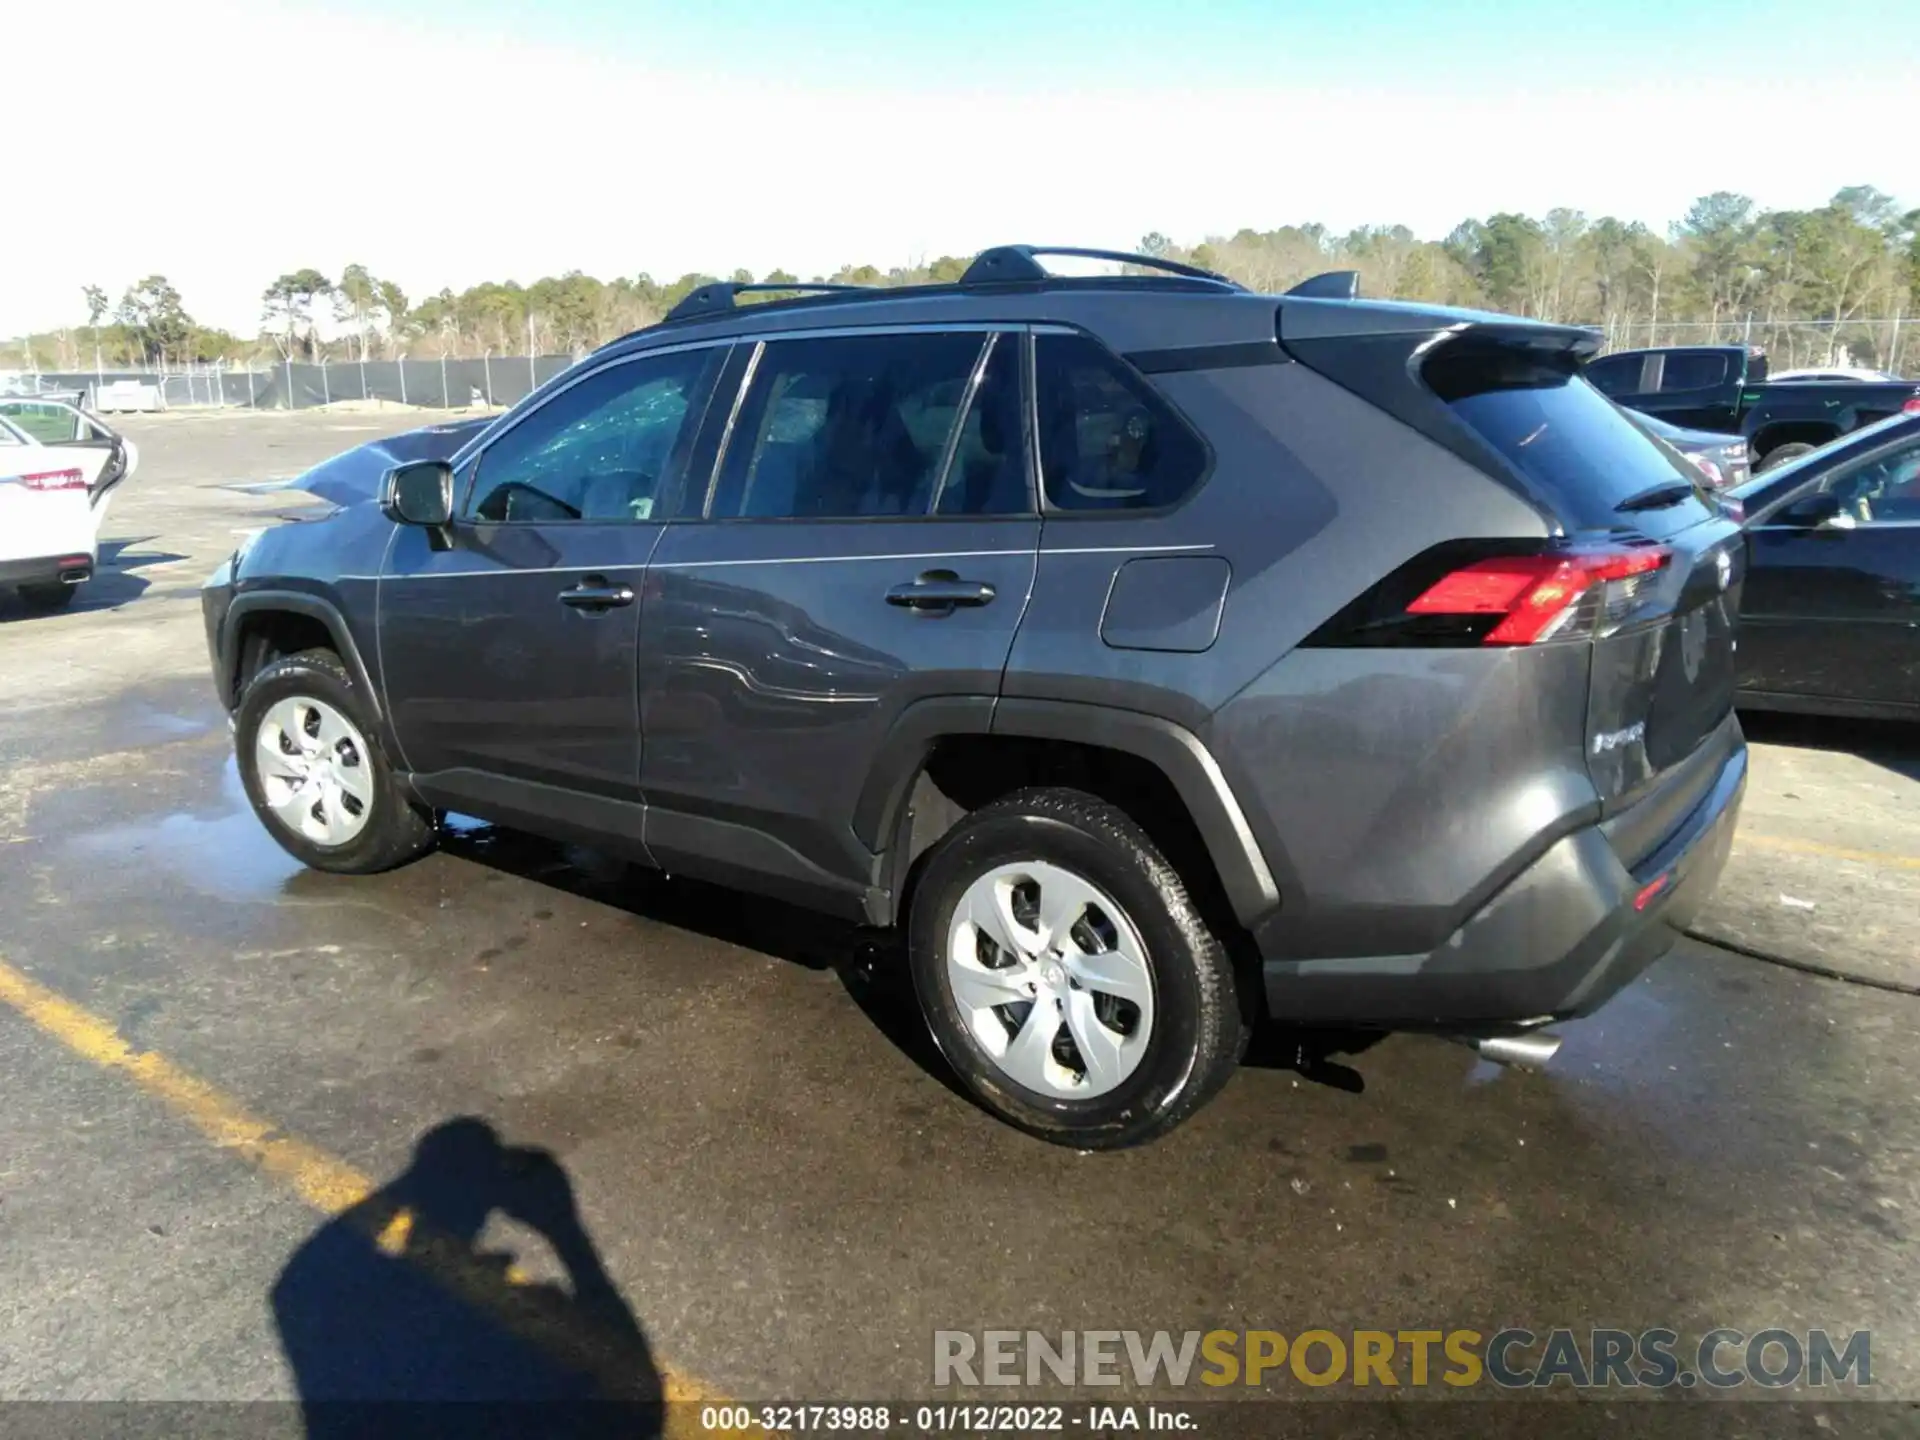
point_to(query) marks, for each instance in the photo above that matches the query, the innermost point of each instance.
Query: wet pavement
(776, 1185)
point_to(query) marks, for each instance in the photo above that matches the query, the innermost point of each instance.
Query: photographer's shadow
(390, 1314)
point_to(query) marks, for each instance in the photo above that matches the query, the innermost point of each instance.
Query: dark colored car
(1831, 609)
(1149, 651)
(1725, 388)
(1722, 459)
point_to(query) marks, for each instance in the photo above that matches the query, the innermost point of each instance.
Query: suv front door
(866, 544)
(507, 655)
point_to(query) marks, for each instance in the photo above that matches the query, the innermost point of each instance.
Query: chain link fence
(447, 383)
(441, 384)
(1892, 345)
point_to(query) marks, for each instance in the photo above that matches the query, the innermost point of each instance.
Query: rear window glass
(1692, 370)
(1569, 440)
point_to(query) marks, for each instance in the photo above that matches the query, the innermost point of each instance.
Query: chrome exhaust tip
(1525, 1052)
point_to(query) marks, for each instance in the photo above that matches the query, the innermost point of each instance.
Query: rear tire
(45, 599)
(1781, 454)
(310, 759)
(1088, 949)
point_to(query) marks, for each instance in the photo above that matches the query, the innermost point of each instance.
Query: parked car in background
(1082, 628)
(28, 384)
(59, 467)
(1722, 459)
(1726, 388)
(1832, 375)
(1830, 615)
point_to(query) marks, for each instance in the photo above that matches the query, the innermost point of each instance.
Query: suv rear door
(865, 543)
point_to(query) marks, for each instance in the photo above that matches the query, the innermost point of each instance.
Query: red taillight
(1651, 890)
(55, 480)
(1912, 407)
(1535, 594)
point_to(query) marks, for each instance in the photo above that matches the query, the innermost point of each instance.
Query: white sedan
(58, 470)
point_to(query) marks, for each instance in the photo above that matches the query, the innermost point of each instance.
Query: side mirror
(419, 493)
(1816, 512)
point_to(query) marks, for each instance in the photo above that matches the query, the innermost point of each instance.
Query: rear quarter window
(1571, 443)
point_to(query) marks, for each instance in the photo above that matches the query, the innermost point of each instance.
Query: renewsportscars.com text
(1512, 1358)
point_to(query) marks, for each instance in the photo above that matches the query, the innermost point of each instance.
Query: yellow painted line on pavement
(1789, 845)
(333, 1187)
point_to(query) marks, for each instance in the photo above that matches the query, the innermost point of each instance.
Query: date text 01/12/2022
(944, 1419)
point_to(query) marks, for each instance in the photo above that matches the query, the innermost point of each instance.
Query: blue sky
(1027, 43)
(444, 142)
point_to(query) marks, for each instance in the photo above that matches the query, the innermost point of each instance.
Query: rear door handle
(594, 593)
(940, 590)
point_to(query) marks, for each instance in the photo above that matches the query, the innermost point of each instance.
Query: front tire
(312, 766)
(1781, 454)
(1066, 975)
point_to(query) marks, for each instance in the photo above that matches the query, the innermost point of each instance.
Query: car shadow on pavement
(870, 964)
(396, 1322)
(115, 581)
(770, 927)
(1892, 744)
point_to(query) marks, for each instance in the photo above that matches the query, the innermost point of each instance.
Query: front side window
(1882, 488)
(1107, 442)
(851, 427)
(599, 450)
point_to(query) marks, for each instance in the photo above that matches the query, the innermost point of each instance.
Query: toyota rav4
(1155, 655)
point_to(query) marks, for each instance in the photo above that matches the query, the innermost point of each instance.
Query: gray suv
(1153, 654)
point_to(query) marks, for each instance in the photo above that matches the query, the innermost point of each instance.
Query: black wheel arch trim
(1176, 752)
(297, 602)
(903, 754)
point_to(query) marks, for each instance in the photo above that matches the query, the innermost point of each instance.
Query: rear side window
(1692, 370)
(1570, 441)
(1107, 441)
(988, 473)
(1616, 374)
(847, 427)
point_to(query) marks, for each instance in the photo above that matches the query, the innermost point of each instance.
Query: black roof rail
(720, 295)
(1003, 263)
(1333, 285)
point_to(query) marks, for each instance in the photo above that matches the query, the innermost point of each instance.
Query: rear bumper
(74, 568)
(1558, 941)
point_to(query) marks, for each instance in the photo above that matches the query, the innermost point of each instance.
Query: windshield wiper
(1658, 497)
